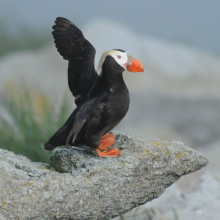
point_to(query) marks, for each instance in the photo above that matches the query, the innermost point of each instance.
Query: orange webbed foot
(106, 142)
(114, 152)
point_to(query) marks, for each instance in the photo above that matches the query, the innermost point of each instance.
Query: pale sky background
(195, 22)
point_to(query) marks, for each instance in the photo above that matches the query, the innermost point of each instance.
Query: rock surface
(193, 197)
(94, 188)
(142, 213)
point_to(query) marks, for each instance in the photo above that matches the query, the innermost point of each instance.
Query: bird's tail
(60, 137)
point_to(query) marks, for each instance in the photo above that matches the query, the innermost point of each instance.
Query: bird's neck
(112, 81)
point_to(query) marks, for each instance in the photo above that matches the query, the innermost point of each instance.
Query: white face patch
(120, 57)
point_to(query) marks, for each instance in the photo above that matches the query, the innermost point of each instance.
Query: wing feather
(72, 46)
(73, 125)
(84, 112)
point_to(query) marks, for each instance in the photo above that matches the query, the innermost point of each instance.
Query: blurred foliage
(17, 36)
(175, 214)
(31, 119)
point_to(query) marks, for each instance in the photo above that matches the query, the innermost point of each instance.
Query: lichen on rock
(87, 187)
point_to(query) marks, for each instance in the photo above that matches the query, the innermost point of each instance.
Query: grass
(175, 214)
(32, 118)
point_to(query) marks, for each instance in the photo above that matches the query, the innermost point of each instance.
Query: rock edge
(94, 188)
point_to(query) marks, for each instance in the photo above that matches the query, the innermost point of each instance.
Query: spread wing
(72, 45)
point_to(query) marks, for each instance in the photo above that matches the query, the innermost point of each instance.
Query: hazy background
(176, 98)
(193, 22)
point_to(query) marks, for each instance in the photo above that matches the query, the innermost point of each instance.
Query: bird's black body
(102, 100)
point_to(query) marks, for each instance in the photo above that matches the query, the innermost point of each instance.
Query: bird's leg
(108, 136)
(106, 142)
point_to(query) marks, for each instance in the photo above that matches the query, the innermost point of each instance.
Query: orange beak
(134, 65)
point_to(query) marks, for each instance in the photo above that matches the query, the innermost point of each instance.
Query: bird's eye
(119, 57)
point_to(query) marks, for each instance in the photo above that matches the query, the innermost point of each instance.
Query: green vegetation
(33, 119)
(175, 214)
(17, 36)
(30, 118)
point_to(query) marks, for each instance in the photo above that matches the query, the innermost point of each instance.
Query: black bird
(102, 100)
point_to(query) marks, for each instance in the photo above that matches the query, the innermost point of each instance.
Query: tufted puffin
(101, 97)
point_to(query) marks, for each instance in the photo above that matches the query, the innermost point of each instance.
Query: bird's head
(118, 61)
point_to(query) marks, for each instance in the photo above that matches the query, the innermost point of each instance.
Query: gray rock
(94, 188)
(193, 197)
(142, 213)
